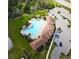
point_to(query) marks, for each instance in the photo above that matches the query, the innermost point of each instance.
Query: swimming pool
(34, 28)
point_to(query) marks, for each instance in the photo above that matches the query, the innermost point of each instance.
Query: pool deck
(44, 31)
(45, 34)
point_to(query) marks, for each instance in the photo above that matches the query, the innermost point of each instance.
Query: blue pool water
(34, 27)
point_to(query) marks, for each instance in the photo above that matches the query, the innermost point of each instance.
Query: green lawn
(20, 43)
(65, 57)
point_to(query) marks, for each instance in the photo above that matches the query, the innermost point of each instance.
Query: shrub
(41, 12)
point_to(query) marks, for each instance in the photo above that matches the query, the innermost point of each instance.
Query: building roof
(45, 34)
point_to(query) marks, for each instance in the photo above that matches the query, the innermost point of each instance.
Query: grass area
(20, 43)
(65, 57)
(62, 56)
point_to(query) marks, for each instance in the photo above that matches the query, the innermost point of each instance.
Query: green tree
(14, 8)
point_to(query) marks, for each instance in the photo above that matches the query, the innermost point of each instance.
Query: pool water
(34, 27)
